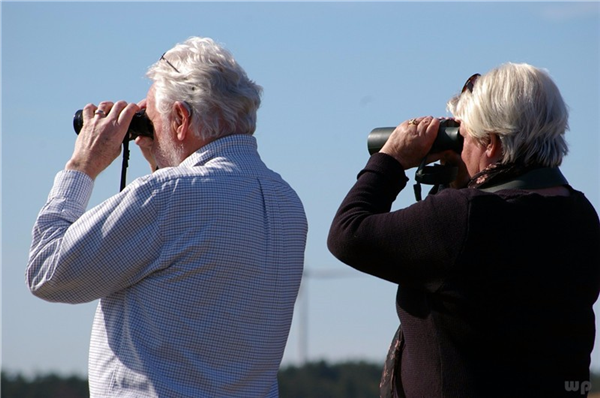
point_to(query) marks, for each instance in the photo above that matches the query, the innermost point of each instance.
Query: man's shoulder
(215, 173)
(168, 176)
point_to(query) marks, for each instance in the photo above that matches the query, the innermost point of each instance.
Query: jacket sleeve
(413, 246)
(78, 256)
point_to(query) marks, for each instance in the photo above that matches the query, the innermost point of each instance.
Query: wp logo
(582, 387)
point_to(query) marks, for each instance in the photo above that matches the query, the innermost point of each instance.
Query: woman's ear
(493, 149)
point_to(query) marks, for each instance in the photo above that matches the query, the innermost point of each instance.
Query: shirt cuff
(75, 186)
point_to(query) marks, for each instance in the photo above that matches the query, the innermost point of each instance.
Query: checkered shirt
(197, 268)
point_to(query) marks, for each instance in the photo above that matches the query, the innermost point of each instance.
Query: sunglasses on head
(470, 83)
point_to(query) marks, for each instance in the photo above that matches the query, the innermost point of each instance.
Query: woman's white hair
(204, 75)
(523, 106)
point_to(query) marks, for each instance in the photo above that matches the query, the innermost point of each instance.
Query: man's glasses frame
(162, 58)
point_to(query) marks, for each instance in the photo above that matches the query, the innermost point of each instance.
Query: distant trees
(47, 386)
(313, 380)
(322, 380)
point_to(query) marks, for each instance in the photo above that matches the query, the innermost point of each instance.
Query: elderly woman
(496, 275)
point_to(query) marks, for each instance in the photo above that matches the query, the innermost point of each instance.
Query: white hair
(523, 106)
(204, 75)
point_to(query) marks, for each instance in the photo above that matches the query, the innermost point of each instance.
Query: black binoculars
(448, 137)
(140, 125)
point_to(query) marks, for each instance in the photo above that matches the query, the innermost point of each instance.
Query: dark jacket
(495, 290)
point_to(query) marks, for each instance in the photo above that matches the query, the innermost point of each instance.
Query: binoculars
(140, 125)
(448, 137)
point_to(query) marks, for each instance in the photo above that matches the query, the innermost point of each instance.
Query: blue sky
(331, 73)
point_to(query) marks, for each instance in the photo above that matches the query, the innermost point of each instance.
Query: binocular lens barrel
(448, 137)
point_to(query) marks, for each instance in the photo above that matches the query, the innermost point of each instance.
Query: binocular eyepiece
(140, 125)
(448, 137)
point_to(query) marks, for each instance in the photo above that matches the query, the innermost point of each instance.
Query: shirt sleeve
(78, 256)
(414, 246)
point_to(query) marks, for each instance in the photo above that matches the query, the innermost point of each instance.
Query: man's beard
(170, 153)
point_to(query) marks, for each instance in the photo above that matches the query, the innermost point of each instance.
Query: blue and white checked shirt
(197, 268)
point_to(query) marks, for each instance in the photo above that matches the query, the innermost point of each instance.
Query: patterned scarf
(498, 173)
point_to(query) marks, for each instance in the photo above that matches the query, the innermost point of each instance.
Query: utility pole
(303, 303)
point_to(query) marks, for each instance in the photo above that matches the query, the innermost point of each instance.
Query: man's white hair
(522, 105)
(204, 75)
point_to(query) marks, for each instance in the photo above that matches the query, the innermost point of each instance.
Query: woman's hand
(452, 158)
(411, 141)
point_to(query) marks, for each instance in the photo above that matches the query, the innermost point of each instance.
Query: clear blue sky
(331, 72)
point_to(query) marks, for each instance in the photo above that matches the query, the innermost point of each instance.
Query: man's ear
(493, 149)
(182, 120)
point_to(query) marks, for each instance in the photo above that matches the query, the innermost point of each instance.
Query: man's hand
(99, 141)
(145, 144)
(411, 141)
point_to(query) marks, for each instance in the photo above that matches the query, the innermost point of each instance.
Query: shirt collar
(228, 145)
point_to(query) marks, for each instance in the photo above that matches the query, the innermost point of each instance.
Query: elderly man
(197, 265)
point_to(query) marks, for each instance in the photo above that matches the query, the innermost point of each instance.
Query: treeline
(312, 380)
(323, 380)
(47, 386)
